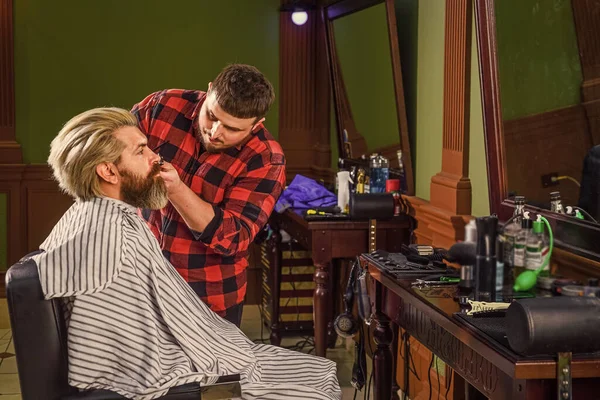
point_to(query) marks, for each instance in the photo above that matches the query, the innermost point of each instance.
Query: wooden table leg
(382, 359)
(275, 337)
(320, 306)
(332, 305)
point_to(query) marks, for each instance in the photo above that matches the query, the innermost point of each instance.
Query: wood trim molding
(586, 14)
(449, 208)
(574, 266)
(490, 102)
(10, 150)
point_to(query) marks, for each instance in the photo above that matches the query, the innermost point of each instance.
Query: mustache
(155, 170)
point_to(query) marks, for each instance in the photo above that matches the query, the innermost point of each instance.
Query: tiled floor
(9, 380)
(251, 325)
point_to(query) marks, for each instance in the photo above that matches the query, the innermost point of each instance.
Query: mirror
(364, 60)
(540, 86)
(546, 134)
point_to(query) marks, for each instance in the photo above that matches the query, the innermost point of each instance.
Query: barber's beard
(210, 147)
(144, 192)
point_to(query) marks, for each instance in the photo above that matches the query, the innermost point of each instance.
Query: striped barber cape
(136, 327)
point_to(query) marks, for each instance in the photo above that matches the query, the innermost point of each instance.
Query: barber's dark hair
(243, 91)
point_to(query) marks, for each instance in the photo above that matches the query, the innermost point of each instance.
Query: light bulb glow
(299, 17)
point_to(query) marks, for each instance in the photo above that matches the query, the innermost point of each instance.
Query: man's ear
(257, 123)
(209, 86)
(108, 173)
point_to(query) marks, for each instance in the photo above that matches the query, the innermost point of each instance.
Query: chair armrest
(226, 387)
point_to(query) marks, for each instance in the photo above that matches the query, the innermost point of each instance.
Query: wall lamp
(299, 10)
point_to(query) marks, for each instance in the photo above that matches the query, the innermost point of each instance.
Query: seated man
(134, 325)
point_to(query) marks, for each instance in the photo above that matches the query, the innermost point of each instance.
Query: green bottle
(536, 249)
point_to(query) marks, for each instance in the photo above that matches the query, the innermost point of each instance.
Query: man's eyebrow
(142, 144)
(232, 128)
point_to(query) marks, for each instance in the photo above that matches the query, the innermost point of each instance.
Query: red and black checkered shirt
(242, 184)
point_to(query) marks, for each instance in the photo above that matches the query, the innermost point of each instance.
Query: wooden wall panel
(42, 205)
(34, 204)
(304, 119)
(10, 151)
(554, 141)
(442, 221)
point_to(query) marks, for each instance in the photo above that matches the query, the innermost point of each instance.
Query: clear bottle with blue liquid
(380, 173)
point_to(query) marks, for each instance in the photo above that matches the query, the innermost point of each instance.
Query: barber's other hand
(171, 177)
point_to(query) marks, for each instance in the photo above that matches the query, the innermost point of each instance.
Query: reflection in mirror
(546, 131)
(368, 95)
(363, 51)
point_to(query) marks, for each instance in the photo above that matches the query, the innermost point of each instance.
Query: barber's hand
(171, 177)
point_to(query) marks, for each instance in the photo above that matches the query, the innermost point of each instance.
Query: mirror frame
(343, 111)
(571, 234)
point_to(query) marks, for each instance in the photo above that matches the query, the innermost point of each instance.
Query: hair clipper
(364, 303)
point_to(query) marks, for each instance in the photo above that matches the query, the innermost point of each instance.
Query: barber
(224, 173)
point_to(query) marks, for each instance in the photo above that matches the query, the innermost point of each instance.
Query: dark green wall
(72, 55)
(538, 57)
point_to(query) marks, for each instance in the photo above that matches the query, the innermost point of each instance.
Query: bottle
(485, 259)
(499, 268)
(471, 232)
(537, 249)
(360, 181)
(556, 203)
(340, 168)
(403, 185)
(380, 172)
(467, 276)
(520, 245)
(510, 232)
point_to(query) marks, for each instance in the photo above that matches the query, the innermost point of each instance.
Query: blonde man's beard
(144, 192)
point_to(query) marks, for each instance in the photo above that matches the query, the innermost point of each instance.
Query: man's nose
(216, 129)
(154, 158)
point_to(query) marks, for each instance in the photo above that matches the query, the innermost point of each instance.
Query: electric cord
(437, 373)
(406, 343)
(563, 177)
(585, 213)
(429, 375)
(409, 363)
(368, 389)
(449, 383)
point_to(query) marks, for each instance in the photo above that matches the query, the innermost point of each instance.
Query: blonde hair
(84, 142)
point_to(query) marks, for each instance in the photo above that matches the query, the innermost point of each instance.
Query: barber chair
(40, 340)
(589, 193)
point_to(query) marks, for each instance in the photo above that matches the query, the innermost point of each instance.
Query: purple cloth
(304, 193)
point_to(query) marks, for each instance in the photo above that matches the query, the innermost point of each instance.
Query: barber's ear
(255, 126)
(108, 172)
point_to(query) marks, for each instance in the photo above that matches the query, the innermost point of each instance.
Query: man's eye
(141, 151)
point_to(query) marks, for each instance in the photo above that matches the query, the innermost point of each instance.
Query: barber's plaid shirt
(242, 184)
